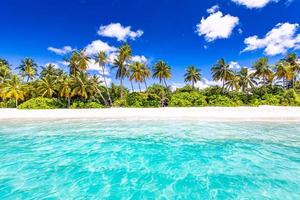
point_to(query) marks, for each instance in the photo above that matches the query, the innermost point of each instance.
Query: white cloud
(234, 65)
(95, 66)
(253, 3)
(97, 45)
(277, 41)
(213, 9)
(142, 59)
(116, 30)
(217, 26)
(56, 65)
(61, 51)
(204, 83)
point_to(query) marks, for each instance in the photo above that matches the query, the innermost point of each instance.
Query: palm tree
(83, 61)
(5, 71)
(47, 86)
(262, 70)
(101, 59)
(121, 64)
(13, 89)
(95, 84)
(50, 70)
(162, 71)
(233, 83)
(147, 74)
(81, 85)
(138, 73)
(65, 88)
(292, 59)
(221, 72)
(284, 71)
(28, 68)
(73, 61)
(246, 79)
(192, 75)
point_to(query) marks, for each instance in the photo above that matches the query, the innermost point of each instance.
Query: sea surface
(109, 159)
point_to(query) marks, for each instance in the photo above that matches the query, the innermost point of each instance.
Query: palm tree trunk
(16, 102)
(132, 89)
(121, 84)
(193, 84)
(165, 83)
(107, 90)
(69, 102)
(140, 87)
(145, 84)
(104, 100)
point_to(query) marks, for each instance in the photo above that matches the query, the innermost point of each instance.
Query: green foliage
(39, 103)
(8, 104)
(185, 99)
(120, 103)
(80, 104)
(219, 100)
(136, 99)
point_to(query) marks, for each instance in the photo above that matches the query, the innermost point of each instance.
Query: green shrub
(220, 100)
(136, 99)
(120, 103)
(39, 103)
(8, 104)
(269, 99)
(290, 98)
(186, 99)
(80, 104)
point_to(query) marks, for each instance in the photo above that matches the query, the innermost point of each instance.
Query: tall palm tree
(101, 59)
(73, 63)
(192, 75)
(262, 70)
(81, 85)
(147, 74)
(95, 84)
(47, 86)
(65, 88)
(233, 83)
(293, 61)
(13, 89)
(246, 79)
(50, 70)
(28, 68)
(121, 63)
(5, 71)
(221, 72)
(138, 73)
(83, 60)
(162, 71)
(284, 71)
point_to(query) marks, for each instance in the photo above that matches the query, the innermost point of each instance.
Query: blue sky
(181, 32)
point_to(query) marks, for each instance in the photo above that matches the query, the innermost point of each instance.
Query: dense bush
(80, 104)
(220, 100)
(39, 103)
(143, 100)
(186, 99)
(120, 103)
(8, 104)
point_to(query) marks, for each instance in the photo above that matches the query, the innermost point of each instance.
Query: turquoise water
(90, 159)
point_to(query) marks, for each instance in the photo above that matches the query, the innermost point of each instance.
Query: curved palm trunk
(140, 87)
(102, 97)
(107, 90)
(132, 89)
(121, 84)
(193, 84)
(145, 84)
(165, 83)
(16, 102)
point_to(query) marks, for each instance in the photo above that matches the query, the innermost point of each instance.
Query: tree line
(78, 85)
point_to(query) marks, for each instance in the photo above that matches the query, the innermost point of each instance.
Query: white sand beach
(262, 113)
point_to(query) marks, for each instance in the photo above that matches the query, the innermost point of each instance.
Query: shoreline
(262, 113)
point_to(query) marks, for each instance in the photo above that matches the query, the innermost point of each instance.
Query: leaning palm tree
(162, 71)
(65, 88)
(121, 63)
(13, 89)
(284, 71)
(5, 71)
(221, 72)
(101, 59)
(246, 79)
(192, 75)
(293, 61)
(262, 70)
(95, 84)
(28, 68)
(83, 60)
(81, 85)
(47, 86)
(137, 73)
(233, 83)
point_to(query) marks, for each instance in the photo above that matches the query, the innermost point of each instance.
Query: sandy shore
(262, 113)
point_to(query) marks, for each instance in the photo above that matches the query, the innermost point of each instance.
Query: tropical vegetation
(29, 86)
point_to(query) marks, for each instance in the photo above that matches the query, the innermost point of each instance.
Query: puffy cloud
(95, 67)
(204, 83)
(61, 51)
(277, 41)
(98, 45)
(213, 9)
(216, 26)
(142, 59)
(116, 30)
(234, 65)
(253, 3)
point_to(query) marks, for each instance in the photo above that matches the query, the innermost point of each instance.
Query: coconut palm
(28, 68)
(284, 71)
(65, 88)
(262, 70)
(147, 74)
(83, 61)
(221, 72)
(95, 84)
(121, 63)
(233, 83)
(101, 59)
(13, 89)
(73, 63)
(138, 73)
(5, 71)
(162, 71)
(81, 85)
(192, 75)
(293, 61)
(246, 79)
(50, 70)
(47, 86)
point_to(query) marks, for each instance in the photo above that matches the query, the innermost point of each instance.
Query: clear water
(149, 160)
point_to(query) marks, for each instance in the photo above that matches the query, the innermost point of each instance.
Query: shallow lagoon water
(96, 159)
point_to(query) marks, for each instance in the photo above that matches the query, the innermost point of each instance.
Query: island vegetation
(29, 86)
